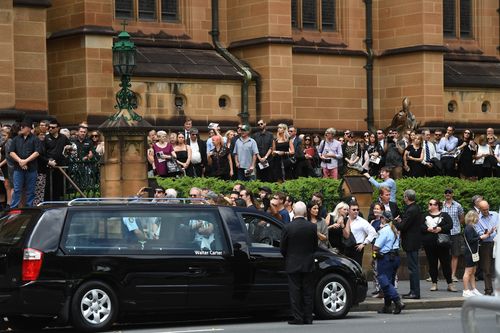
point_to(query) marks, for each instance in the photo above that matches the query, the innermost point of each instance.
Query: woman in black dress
(467, 147)
(374, 154)
(472, 239)
(413, 157)
(219, 159)
(283, 151)
(183, 155)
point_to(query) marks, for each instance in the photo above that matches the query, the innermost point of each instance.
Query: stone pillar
(124, 170)
(7, 88)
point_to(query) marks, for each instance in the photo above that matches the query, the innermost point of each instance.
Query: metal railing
(135, 201)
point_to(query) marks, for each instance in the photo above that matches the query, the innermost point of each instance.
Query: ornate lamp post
(124, 169)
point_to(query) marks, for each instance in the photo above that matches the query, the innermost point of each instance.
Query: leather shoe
(398, 306)
(411, 296)
(408, 294)
(295, 322)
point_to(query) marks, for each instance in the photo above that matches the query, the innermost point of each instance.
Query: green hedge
(303, 188)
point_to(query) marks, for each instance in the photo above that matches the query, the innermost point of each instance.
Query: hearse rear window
(145, 232)
(13, 226)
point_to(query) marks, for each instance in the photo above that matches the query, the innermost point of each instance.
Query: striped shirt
(455, 211)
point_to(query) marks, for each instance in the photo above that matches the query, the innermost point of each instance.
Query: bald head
(299, 209)
(484, 207)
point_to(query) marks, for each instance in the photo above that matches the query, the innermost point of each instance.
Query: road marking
(196, 331)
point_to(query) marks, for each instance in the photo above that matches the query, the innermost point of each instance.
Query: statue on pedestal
(404, 119)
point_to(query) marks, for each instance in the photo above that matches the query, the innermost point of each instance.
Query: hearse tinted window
(145, 232)
(263, 232)
(13, 226)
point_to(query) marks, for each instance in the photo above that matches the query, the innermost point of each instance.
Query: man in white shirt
(362, 231)
(198, 153)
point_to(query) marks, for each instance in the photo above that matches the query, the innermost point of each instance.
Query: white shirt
(195, 152)
(481, 149)
(432, 151)
(362, 231)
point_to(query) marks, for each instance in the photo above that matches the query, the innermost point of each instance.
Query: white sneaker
(476, 292)
(467, 293)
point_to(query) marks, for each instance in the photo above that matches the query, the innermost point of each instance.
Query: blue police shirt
(386, 241)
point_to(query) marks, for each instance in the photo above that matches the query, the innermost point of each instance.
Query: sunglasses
(466, 132)
(355, 209)
(260, 124)
(380, 132)
(52, 127)
(307, 139)
(97, 135)
(193, 195)
(433, 204)
(159, 191)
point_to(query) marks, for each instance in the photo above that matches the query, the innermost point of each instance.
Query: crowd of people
(36, 157)
(445, 232)
(245, 155)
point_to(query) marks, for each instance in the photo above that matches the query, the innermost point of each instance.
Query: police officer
(386, 252)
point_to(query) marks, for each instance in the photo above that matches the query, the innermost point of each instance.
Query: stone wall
(7, 78)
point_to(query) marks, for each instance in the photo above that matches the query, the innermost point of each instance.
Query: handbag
(475, 256)
(444, 240)
(173, 166)
(349, 242)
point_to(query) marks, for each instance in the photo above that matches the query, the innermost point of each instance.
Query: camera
(158, 154)
(248, 172)
(328, 160)
(213, 125)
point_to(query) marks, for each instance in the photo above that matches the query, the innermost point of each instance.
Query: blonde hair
(471, 217)
(339, 206)
(285, 133)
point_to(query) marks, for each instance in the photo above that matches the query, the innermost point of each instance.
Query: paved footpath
(428, 299)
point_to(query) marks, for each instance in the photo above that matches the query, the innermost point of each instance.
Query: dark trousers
(264, 175)
(485, 261)
(198, 170)
(435, 253)
(301, 288)
(354, 254)
(448, 163)
(414, 272)
(386, 269)
(54, 186)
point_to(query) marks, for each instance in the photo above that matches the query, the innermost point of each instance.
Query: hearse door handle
(195, 270)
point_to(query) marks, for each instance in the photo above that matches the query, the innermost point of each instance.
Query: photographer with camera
(386, 252)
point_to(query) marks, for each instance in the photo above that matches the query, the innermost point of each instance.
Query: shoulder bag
(475, 256)
(443, 240)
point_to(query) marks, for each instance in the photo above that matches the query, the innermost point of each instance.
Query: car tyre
(333, 297)
(94, 307)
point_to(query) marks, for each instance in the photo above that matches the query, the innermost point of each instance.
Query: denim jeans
(24, 180)
(414, 270)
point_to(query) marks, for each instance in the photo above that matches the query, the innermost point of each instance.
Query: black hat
(387, 215)
(448, 190)
(265, 189)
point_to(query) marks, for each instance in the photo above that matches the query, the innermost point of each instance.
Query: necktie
(427, 152)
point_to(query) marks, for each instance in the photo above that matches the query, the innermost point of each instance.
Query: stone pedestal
(124, 169)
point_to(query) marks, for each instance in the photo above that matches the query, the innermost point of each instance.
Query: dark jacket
(299, 242)
(410, 224)
(430, 238)
(392, 205)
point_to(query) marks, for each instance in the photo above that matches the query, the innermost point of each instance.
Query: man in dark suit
(409, 225)
(384, 199)
(299, 242)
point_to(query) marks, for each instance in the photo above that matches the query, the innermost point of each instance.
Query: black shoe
(409, 293)
(398, 306)
(308, 322)
(385, 309)
(411, 296)
(295, 322)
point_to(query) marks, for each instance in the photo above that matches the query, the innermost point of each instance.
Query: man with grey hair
(170, 193)
(299, 242)
(409, 226)
(330, 152)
